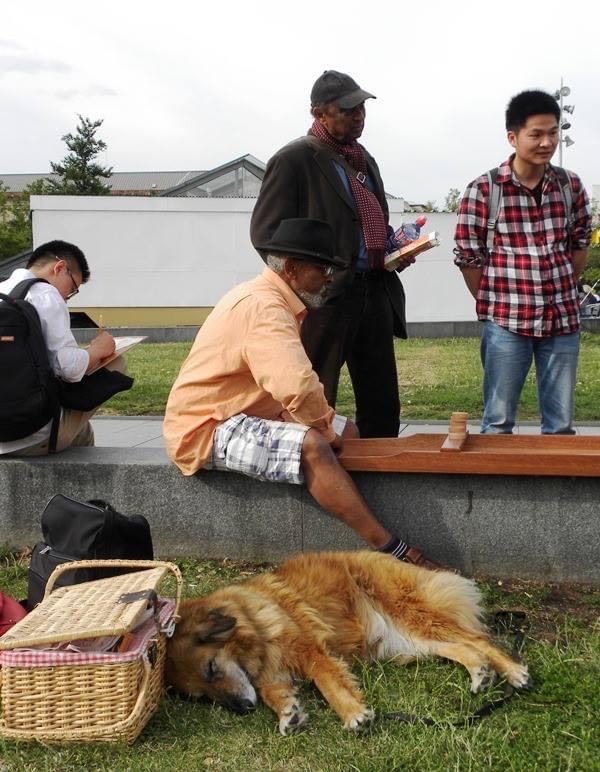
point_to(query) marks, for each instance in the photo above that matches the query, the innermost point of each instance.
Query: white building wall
(182, 252)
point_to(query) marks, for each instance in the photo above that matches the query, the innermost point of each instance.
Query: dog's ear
(216, 627)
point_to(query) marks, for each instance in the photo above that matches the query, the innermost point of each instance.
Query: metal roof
(118, 181)
(169, 183)
(16, 261)
(247, 161)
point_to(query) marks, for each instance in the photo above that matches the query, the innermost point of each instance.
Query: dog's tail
(456, 596)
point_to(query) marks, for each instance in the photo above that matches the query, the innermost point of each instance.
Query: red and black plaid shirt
(527, 284)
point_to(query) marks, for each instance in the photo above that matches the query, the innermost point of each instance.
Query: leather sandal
(417, 558)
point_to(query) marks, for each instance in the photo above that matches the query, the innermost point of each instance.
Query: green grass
(436, 377)
(553, 727)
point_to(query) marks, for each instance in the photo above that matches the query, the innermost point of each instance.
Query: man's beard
(312, 300)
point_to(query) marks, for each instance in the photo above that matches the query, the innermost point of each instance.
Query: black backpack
(90, 530)
(29, 391)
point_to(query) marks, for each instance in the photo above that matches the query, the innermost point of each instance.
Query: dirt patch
(547, 605)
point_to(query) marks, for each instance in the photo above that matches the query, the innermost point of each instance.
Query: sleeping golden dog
(310, 617)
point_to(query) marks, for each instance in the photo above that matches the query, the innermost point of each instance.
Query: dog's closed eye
(211, 671)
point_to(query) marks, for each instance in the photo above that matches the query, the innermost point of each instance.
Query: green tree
(452, 200)
(595, 216)
(15, 231)
(430, 206)
(15, 219)
(79, 174)
(592, 269)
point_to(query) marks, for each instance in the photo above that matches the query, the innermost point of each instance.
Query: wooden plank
(553, 456)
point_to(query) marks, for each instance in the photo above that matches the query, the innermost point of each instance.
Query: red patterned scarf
(371, 215)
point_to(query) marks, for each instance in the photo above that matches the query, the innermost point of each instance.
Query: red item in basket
(11, 612)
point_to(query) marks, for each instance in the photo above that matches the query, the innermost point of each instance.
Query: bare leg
(333, 488)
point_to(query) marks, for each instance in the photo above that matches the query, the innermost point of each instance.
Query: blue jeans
(506, 358)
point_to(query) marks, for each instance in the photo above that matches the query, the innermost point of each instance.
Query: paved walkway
(146, 431)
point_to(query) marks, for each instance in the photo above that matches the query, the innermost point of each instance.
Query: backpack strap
(22, 288)
(18, 292)
(566, 192)
(53, 439)
(495, 191)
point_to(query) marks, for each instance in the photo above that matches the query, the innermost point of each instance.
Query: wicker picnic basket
(88, 695)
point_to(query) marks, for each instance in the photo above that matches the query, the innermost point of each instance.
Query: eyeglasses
(326, 270)
(75, 289)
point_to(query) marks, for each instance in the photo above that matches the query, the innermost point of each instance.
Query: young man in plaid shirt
(525, 285)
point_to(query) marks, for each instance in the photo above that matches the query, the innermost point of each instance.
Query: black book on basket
(85, 530)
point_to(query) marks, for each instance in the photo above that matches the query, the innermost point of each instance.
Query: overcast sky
(191, 85)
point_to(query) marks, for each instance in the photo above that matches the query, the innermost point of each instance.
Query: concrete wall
(180, 252)
(543, 528)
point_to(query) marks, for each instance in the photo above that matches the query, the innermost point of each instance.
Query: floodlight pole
(560, 122)
(563, 91)
(560, 126)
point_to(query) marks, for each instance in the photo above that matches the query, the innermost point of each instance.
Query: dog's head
(203, 658)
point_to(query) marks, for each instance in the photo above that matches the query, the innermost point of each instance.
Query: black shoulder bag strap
(338, 158)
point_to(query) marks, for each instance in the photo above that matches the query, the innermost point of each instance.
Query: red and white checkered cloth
(527, 283)
(52, 658)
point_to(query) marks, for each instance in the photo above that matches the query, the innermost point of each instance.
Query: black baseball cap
(338, 88)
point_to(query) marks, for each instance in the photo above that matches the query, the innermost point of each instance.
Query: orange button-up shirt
(247, 358)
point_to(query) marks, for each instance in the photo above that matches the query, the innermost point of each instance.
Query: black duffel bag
(84, 530)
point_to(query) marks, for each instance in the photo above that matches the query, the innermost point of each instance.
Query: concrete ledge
(184, 334)
(471, 329)
(540, 528)
(465, 329)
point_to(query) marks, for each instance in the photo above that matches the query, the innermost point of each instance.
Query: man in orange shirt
(247, 399)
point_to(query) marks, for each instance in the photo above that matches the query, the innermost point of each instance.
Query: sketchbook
(122, 344)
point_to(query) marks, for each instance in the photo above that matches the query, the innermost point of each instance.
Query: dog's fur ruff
(311, 617)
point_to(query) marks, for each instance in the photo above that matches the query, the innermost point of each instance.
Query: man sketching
(60, 269)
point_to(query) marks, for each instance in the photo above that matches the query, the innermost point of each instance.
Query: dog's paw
(482, 678)
(292, 720)
(361, 722)
(519, 677)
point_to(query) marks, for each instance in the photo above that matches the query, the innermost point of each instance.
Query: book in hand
(122, 344)
(392, 261)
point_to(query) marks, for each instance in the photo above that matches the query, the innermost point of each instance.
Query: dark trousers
(358, 329)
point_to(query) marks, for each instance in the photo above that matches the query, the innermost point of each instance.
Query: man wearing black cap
(330, 176)
(247, 399)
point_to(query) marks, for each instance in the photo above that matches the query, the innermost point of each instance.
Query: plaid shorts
(266, 450)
